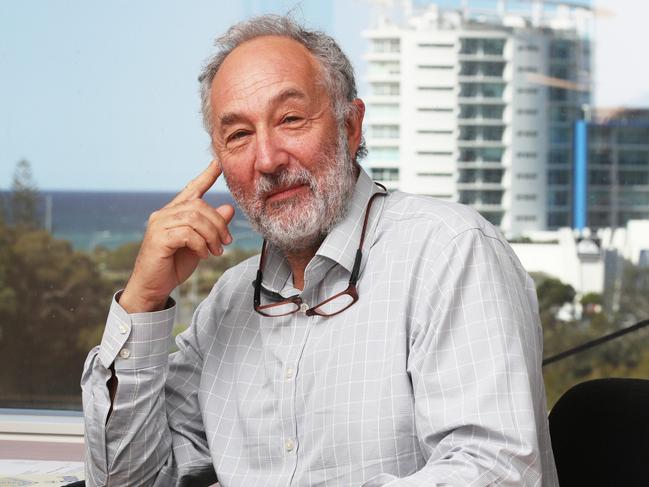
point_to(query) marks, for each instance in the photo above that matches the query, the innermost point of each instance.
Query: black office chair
(600, 434)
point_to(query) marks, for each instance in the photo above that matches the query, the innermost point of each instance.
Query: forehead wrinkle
(290, 93)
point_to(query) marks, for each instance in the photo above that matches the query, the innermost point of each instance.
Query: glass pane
(277, 309)
(335, 305)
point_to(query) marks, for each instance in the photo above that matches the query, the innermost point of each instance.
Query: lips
(285, 192)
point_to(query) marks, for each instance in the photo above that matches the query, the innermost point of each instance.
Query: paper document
(27, 473)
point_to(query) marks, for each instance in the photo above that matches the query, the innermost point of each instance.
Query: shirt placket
(300, 328)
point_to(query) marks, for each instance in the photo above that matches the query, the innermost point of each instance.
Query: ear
(354, 125)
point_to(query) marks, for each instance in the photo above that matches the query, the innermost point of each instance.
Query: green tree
(623, 357)
(24, 197)
(53, 303)
(56, 300)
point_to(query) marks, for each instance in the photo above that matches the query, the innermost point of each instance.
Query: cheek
(235, 178)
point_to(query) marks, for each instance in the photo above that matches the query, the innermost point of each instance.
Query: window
(528, 47)
(561, 49)
(390, 110)
(443, 45)
(484, 154)
(633, 178)
(439, 67)
(384, 131)
(560, 135)
(599, 198)
(558, 219)
(434, 132)
(480, 68)
(385, 45)
(633, 135)
(435, 88)
(527, 111)
(525, 197)
(557, 198)
(527, 91)
(115, 132)
(600, 157)
(383, 154)
(428, 174)
(558, 177)
(560, 156)
(435, 109)
(599, 177)
(633, 158)
(385, 88)
(384, 173)
(434, 153)
(383, 68)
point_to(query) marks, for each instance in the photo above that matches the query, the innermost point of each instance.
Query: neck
(298, 260)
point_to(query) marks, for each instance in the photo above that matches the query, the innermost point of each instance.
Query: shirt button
(123, 329)
(304, 307)
(289, 373)
(124, 353)
(289, 445)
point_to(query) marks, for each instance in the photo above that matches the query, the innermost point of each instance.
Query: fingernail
(228, 239)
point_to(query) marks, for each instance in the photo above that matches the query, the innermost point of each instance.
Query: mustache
(269, 183)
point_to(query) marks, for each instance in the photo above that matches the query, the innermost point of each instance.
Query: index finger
(198, 186)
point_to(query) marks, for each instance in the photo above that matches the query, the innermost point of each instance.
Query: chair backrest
(600, 434)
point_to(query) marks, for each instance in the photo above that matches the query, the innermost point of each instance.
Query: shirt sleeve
(475, 365)
(144, 443)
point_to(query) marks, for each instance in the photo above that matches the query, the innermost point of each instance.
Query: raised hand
(177, 237)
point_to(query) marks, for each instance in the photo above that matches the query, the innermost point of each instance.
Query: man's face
(284, 156)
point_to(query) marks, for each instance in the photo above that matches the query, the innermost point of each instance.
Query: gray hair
(337, 71)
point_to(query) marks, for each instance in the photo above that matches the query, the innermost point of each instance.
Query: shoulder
(434, 219)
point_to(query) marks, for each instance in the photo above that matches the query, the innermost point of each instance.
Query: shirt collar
(340, 244)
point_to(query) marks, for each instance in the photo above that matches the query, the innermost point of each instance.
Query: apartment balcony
(381, 142)
(480, 121)
(382, 56)
(481, 56)
(480, 164)
(480, 206)
(383, 77)
(486, 78)
(479, 186)
(386, 99)
(480, 143)
(481, 100)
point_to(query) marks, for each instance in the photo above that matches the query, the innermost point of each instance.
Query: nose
(270, 156)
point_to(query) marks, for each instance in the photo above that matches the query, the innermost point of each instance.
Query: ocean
(89, 219)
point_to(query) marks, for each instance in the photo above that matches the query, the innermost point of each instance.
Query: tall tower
(478, 107)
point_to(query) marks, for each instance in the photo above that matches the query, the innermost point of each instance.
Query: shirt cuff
(138, 340)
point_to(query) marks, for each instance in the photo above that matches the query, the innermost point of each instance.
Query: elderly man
(378, 339)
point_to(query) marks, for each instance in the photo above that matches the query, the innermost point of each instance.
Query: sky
(103, 95)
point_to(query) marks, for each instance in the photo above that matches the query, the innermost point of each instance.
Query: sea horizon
(103, 218)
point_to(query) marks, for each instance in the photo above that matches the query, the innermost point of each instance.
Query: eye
(291, 119)
(239, 134)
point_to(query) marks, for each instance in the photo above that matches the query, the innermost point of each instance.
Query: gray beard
(295, 225)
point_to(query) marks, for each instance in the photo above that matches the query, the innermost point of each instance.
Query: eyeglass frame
(296, 299)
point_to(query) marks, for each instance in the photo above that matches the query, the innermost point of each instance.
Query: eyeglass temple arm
(359, 253)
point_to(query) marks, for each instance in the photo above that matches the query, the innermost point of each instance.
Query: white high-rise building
(478, 107)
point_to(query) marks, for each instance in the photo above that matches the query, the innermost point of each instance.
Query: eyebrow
(231, 118)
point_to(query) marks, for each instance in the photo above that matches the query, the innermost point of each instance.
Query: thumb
(226, 211)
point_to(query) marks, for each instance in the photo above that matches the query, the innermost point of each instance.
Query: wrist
(134, 302)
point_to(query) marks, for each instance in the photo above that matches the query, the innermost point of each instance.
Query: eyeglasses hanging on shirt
(272, 304)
